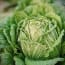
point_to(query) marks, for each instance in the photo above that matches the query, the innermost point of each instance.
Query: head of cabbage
(40, 35)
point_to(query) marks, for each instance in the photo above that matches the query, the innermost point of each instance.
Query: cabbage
(40, 37)
(34, 34)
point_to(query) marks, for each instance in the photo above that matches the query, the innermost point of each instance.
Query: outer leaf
(13, 34)
(63, 49)
(22, 4)
(19, 15)
(6, 59)
(43, 62)
(3, 25)
(18, 61)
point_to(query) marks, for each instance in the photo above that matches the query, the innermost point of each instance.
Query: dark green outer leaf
(6, 59)
(3, 25)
